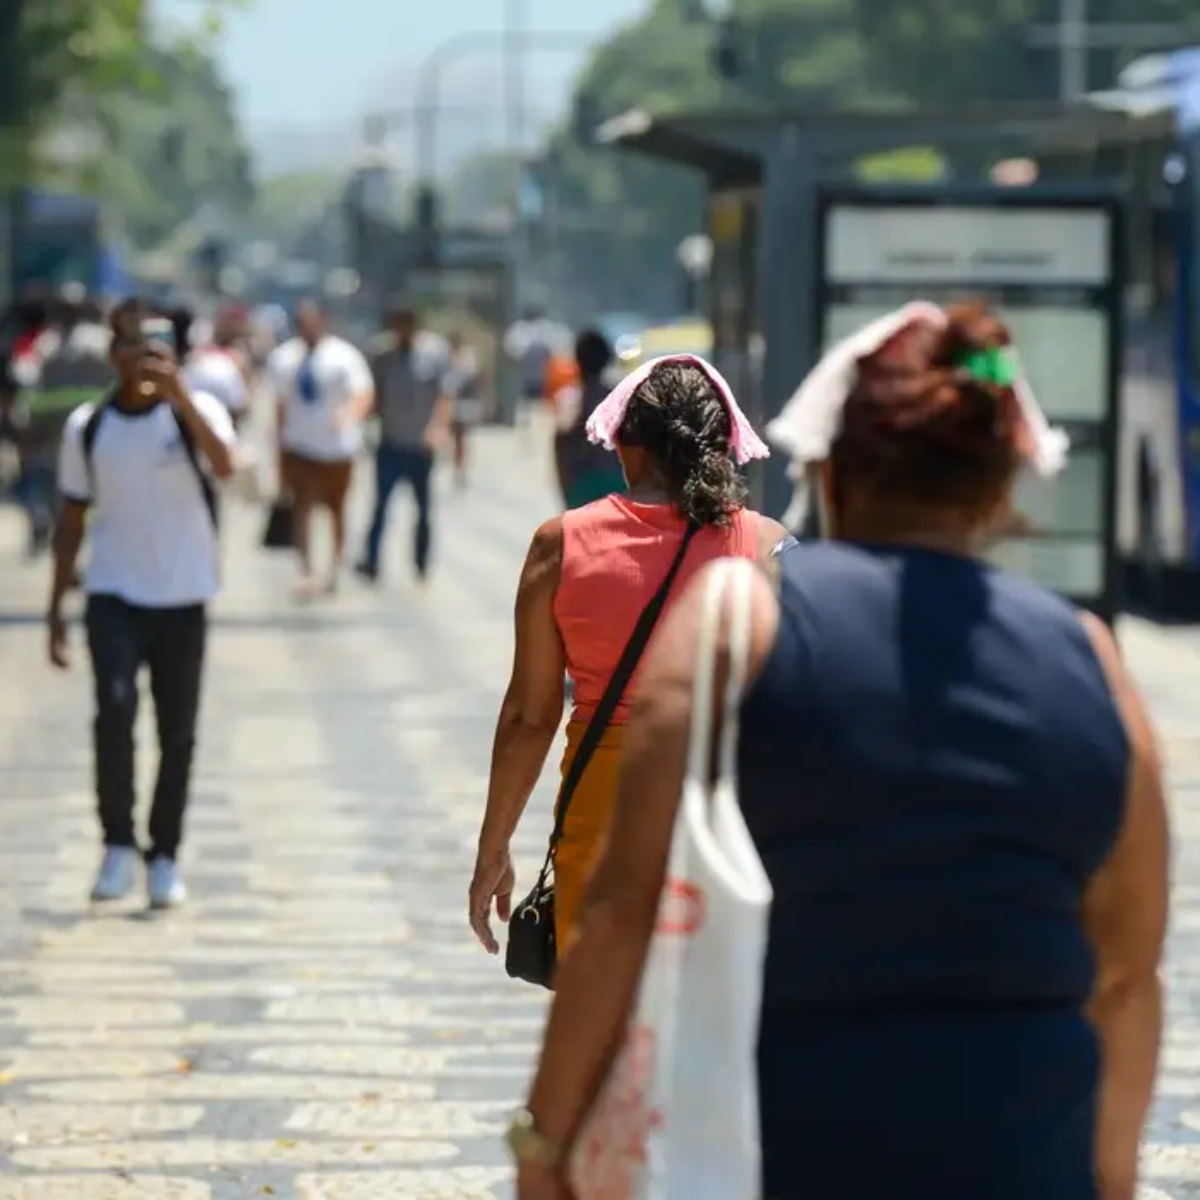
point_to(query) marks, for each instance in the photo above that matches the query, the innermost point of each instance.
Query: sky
(306, 71)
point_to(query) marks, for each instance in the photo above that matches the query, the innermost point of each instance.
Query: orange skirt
(586, 827)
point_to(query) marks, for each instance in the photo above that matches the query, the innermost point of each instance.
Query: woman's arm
(1125, 915)
(597, 979)
(529, 718)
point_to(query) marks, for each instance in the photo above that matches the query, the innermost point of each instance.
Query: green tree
(620, 217)
(943, 53)
(163, 162)
(57, 54)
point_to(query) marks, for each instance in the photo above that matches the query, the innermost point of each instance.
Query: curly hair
(679, 419)
(920, 428)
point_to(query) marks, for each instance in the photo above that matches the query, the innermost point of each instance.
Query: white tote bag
(678, 1116)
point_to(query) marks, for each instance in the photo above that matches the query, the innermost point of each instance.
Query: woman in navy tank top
(954, 788)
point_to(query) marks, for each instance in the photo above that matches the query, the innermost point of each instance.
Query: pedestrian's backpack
(92, 428)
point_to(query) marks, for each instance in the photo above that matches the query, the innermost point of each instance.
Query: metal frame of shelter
(1092, 435)
(779, 161)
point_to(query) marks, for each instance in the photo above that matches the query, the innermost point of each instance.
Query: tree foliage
(788, 51)
(62, 55)
(941, 53)
(798, 54)
(166, 162)
(98, 97)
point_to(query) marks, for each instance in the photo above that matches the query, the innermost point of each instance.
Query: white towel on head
(812, 419)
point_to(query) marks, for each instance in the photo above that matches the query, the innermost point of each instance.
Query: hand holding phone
(158, 363)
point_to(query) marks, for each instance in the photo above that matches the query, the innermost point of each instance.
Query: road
(318, 1023)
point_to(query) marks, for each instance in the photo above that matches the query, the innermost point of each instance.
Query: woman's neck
(648, 493)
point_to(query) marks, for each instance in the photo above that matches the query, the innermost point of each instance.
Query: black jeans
(169, 642)
(395, 465)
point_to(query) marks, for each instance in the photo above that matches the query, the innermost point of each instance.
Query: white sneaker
(165, 885)
(117, 875)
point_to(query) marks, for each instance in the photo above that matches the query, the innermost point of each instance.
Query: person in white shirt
(530, 344)
(324, 392)
(464, 381)
(215, 367)
(142, 461)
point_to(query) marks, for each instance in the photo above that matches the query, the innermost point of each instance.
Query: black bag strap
(639, 639)
(92, 429)
(202, 477)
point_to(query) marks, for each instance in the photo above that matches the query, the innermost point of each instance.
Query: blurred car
(690, 336)
(621, 325)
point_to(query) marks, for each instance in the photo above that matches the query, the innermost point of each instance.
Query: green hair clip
(995, 365)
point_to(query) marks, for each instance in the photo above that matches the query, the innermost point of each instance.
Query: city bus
(1156, 154)
(61, 243)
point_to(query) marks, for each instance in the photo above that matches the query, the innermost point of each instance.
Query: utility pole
(1073, 50)
(514, 36)
(1074, 37)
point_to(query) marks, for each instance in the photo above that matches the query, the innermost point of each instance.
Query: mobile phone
(158, 330)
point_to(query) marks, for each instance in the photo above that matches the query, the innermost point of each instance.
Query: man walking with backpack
(142, 460)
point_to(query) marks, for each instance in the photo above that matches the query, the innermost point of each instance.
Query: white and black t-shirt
(153, 539)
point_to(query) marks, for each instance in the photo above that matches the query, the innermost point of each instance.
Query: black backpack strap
(622, 674)
(193, 454)
(91, 430)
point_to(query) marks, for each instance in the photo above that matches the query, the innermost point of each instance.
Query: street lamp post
(726, 58)
(427, 94)
(695, 256)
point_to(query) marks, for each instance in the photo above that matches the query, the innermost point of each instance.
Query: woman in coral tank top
(588, 577)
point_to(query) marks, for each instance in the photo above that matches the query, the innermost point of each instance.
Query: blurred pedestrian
(465, 385)
(140, 460)
(530, 344)
(75, 368)
(953, 785)
(323, 392)
(586, 471)
(414, 399)
(219, 366)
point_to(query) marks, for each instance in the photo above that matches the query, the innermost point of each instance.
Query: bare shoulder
(1139, 726)
(770, 534)
(1108, 653)
(543, 563)
(547, 539)
(673, 650)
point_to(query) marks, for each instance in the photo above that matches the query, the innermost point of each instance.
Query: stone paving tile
(318, 1024)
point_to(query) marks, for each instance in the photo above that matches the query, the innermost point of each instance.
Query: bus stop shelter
(764, 172)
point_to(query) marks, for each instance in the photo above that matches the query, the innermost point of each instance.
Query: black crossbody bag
(532, 953)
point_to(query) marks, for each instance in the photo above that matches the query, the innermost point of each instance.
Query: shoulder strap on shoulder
(613, 693)
(189, 448)
(91, 429)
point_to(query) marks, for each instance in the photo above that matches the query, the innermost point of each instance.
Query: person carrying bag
(677, 1118)
(532, 953)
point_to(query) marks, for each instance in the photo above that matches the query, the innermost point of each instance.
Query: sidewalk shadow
(89, 913)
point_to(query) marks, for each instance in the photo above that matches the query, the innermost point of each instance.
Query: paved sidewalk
(318, 1024)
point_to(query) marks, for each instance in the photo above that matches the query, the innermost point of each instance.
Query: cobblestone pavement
(318, 1023)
